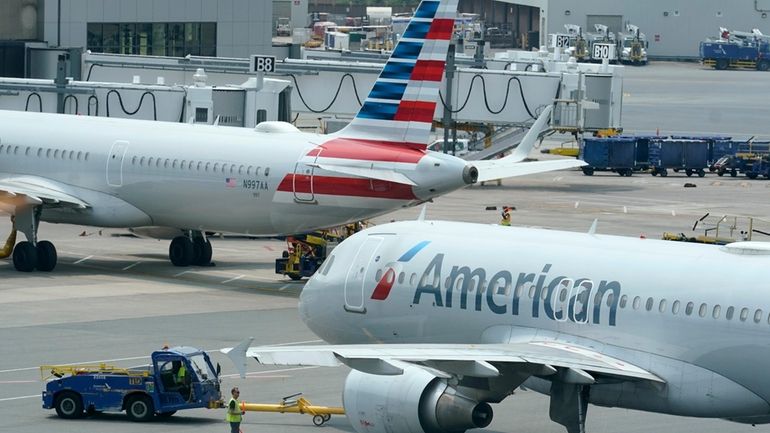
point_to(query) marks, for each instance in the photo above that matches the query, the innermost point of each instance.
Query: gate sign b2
(603, 51)
(262, 64)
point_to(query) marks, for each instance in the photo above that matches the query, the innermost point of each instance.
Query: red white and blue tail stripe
(401, 105)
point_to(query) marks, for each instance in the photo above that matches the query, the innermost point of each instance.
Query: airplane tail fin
(400, 107)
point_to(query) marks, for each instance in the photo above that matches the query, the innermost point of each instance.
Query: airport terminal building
(238, 28)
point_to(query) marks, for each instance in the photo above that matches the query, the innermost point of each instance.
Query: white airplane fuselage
(137, 173)
(697, 316)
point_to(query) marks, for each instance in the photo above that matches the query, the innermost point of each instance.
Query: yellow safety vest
(234, 415)
(180, 375)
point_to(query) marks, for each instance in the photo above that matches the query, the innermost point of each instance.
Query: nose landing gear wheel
(318, 420)
(202, 252)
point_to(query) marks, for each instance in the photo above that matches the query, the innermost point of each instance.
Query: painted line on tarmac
(19, 398)
(131, 266)
(182, 273)
(233, 279)
(83, 260)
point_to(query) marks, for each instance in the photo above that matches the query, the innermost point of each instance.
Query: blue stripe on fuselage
(427, 9)
(378, 110)
(407, 50)
(383, 90)
(397, 71)
(413, 251)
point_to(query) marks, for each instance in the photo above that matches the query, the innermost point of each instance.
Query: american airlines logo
(388, 279)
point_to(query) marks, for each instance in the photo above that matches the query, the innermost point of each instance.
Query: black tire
(318, 420)
(46, 256)
(733, 173)
(202, 252)
(720, 173)
(166, 414)
(327, 417)
(701, 172)
(294, 276)
(688, 172)
(751, 175)
(140, 408)
(181, 251)
(763, 65)
(654, 172)
(25, 257)
(663, 172)
(721, 64)
(588, 171)
(69, 405)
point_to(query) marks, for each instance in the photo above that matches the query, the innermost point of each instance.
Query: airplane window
(183, 164)
(267, 171)
(662, 306)
(716, 312)
(518, 291)
(241, 169)
(532, 291)
(248, 170)
(85, 158)
(563, 295)
(256, 171)
(688, 309)
(757, 316)
(39, 152)
(216, 167)
(158, 162)
(133, 161)
(729, 313)
(623, 301)
(401, 278)
(16, 150)
(413, 279)
(141, 162)
(208, 164)
(224, 167)
(447, 283)
(55, 153)
(610, 299)
(675, 307)
(48, 153)
(1, 148)
(149, 161)
(173, 164)
(649, 304)
(199, 165)
(192, 165)
(72, 155)
(702, 310)
(744, 314)
(27, 151)
(637, 302)
(378, 275)
(165, 163)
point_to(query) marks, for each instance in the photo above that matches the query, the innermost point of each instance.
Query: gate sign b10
(262, 64)
(603, 51)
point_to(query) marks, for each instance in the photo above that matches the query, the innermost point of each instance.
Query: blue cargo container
(616, 154)
(688, 155)
(745, 54)
(718, 146)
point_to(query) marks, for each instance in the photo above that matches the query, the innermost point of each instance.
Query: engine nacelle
(414, 402)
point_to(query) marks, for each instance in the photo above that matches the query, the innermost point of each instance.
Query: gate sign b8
(603, 51)
(262, 64)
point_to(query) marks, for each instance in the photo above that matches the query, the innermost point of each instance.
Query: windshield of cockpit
(201, 368)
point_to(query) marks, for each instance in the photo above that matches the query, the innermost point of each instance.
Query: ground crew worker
(506, 221)
(234, 412)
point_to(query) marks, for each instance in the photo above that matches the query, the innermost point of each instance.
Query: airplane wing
(512, 164)
(548, 357)
(31, 190)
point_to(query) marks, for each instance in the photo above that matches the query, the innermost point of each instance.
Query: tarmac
(115, 298)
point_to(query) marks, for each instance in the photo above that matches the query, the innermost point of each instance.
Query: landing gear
(31, 254)
(190, 250)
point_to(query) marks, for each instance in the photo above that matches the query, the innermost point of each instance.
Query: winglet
(423, 212)
(237, 354)
(592, 230)
(528, 142)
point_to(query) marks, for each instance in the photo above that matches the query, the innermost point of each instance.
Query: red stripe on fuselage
(428, 70)
(441, 28)
(416, 111)
(347, 186)
(371, 150)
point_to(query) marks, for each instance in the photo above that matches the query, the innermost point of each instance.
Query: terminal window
(153, 39)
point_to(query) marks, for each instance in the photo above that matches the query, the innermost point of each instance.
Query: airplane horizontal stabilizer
(370, 173)
(501, 168)
(461, 359)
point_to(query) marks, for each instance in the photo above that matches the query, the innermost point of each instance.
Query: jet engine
(414, 402)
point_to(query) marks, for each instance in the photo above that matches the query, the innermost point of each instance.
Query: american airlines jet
(271, 180)
(437, 325)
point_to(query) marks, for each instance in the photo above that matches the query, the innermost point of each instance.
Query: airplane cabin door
(360, 274)
(302, 183)
(115, 163)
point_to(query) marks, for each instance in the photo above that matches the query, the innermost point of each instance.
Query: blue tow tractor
(177, 379)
